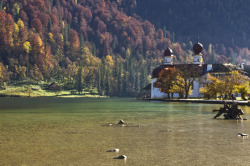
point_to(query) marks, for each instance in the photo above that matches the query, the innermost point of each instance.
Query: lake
(59, 131)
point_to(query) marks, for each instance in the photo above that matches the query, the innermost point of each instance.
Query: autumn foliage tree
(225, 85)
(166, 80)
(51, 39)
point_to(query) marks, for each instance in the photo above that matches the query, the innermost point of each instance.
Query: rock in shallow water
(243, 134)
(121, 122)
(113, 150)
(121, 157)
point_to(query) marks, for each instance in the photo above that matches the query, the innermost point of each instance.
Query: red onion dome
(168, 52)
(198, 47)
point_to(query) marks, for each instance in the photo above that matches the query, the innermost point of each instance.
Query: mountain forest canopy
(106, 44)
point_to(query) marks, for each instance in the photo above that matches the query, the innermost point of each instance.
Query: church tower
(197, 48)
(168, 57)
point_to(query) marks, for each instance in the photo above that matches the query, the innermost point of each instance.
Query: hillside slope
(218, 22)
(102, 44)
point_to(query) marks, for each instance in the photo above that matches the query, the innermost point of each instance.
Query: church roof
(168, 52)
(157, 70)
(216, 68)
(247, 70)
(198, 47)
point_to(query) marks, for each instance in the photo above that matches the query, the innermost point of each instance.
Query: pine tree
(99, 80)
(108, 85)
(232, 57)
(1, 5)
(94, 49)
(119, 77)
(173, 37)
(143, 77)
(124, 84)
(213, 57)
(137, 83)
(103, 75)
(81, 41)
(65, 34)
(79, 83)
(164, 31)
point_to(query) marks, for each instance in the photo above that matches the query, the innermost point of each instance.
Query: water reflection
(70, 132)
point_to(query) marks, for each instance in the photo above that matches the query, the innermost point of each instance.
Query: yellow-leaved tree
(225, 85)
(233, 80)
(20, 24)
(212, 87)
(109, 60)
(90, 65)
(244, 90)
(26, 46)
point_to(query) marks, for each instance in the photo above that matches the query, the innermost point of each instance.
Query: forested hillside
(222, 22)
(223, 26)
(103, 43)
(78, 42)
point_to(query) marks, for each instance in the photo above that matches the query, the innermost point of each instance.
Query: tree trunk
(186, 94)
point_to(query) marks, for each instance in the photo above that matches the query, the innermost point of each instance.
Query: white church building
(214, 69)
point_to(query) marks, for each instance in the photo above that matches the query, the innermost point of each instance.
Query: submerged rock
(121, 122)
(121, 157)
(243, 134)
(113, 150)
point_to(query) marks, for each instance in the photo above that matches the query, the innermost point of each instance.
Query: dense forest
(219, 22)
(106, 44)
(222, 25)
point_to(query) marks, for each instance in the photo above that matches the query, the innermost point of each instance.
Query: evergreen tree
(232, 57)
(99, 81)
(65, 34)
(79, 83)
(164, 31)
(103, 74)
(50, 25)
(143, 77)
(1, 5)
(81, 41)
(137, 83)
(131, 78)
(108, 85)
(94, 49)
(124, 84)
(173, 37)
(213, 57)
(119, 78)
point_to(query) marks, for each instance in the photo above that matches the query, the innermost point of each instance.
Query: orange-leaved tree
(166, 80)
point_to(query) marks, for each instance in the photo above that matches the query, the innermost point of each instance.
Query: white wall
(195, 91)
(157, 94)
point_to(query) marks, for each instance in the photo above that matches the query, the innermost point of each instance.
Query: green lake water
(59, 131)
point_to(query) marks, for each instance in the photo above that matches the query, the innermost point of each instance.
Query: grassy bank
(40, 90)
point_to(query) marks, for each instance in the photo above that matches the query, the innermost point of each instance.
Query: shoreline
(58, 96)
(33, 91)
(240, 102)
